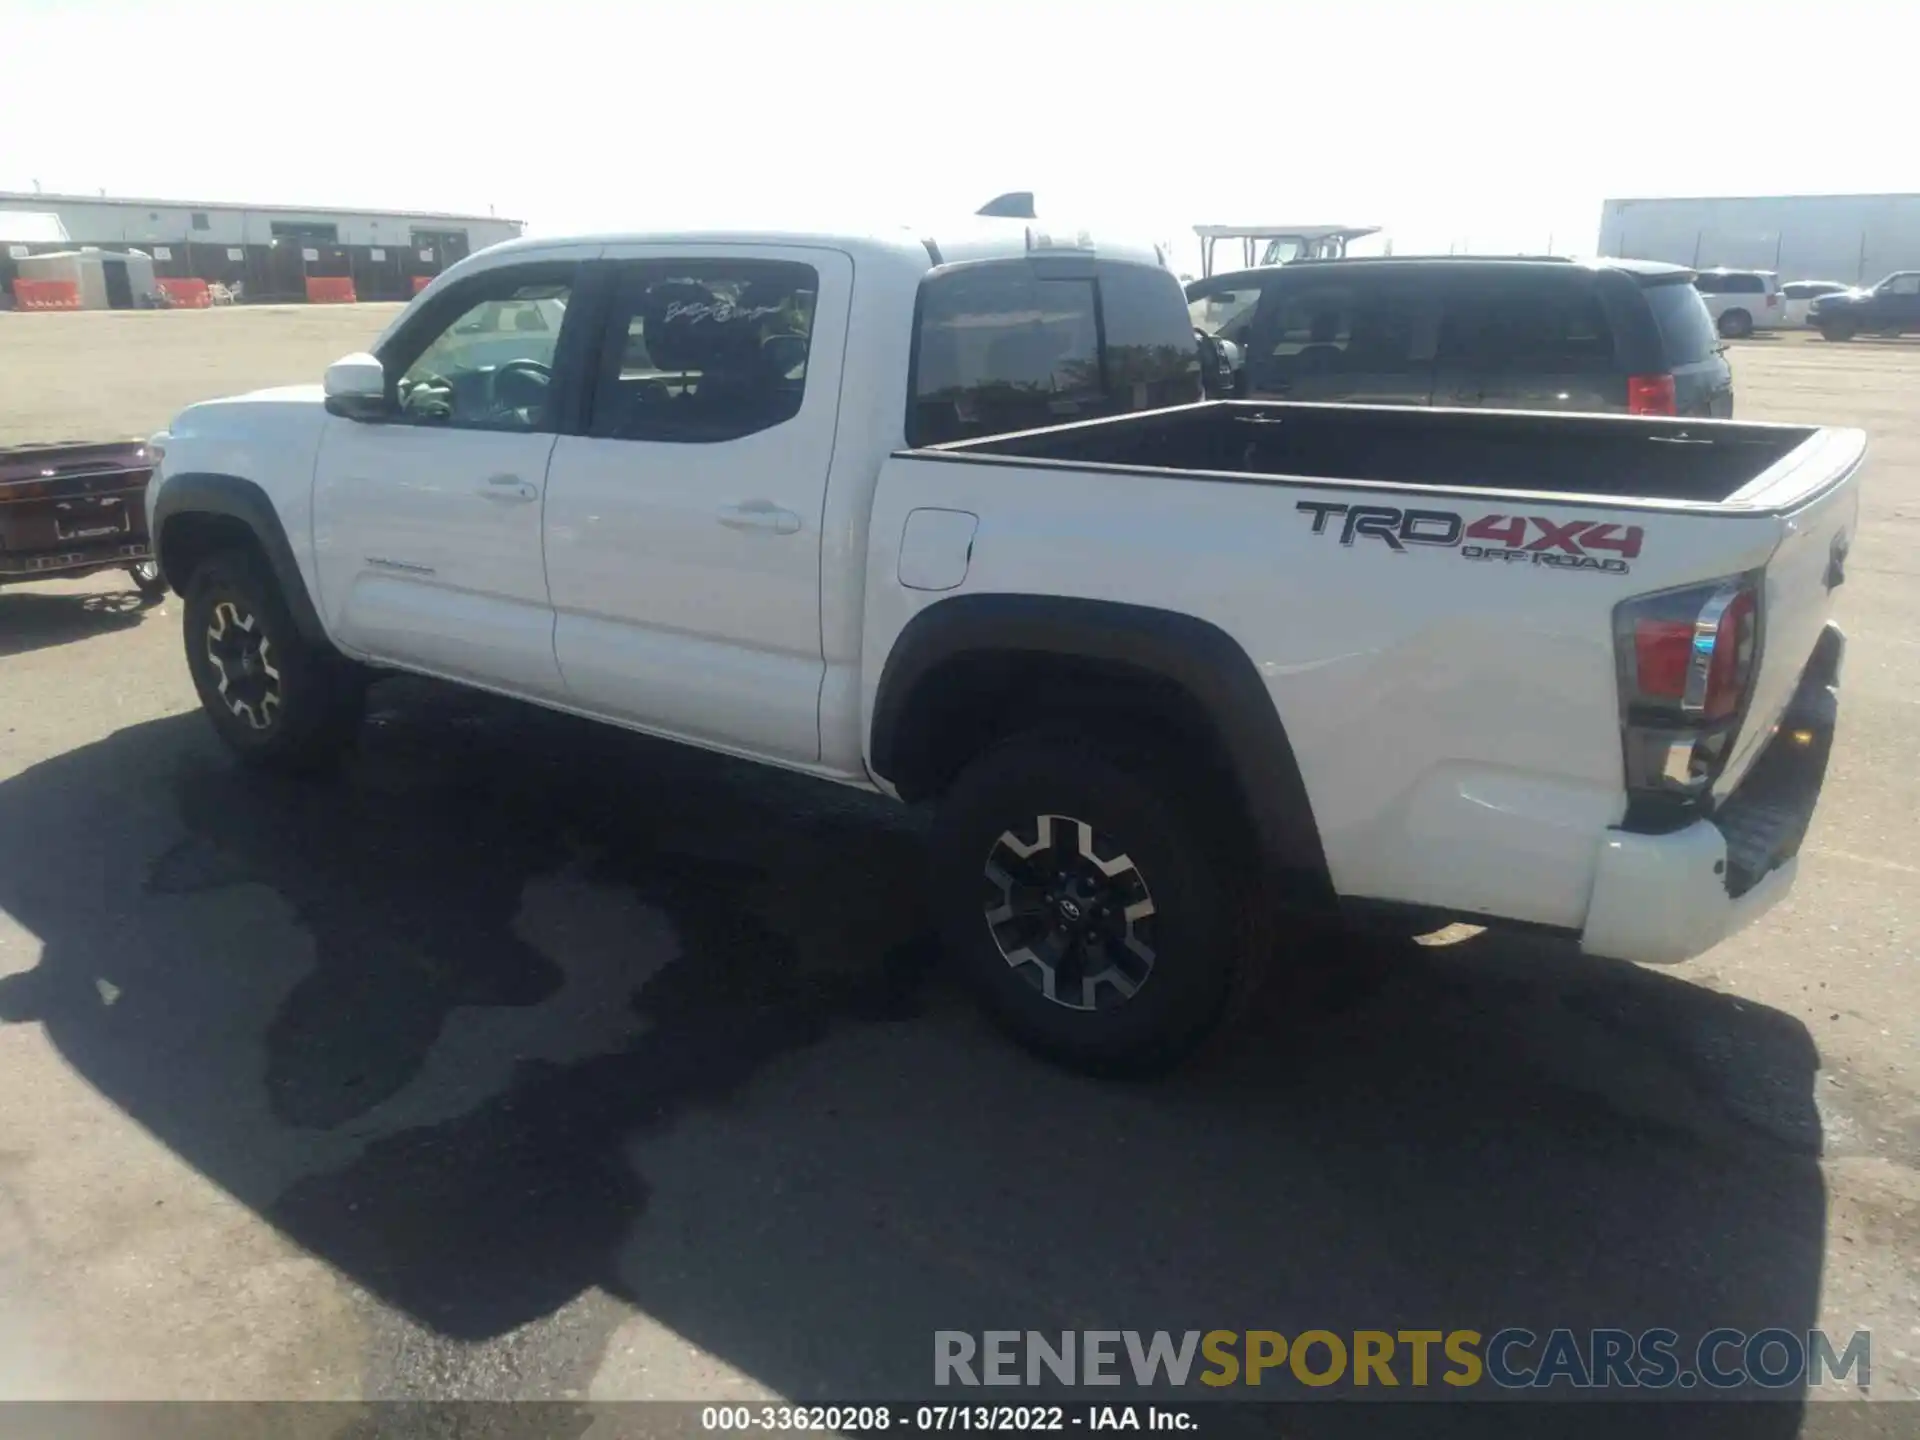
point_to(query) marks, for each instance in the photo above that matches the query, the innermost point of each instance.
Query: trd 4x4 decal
(1598, 545)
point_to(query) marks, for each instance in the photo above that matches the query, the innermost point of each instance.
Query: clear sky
(1483, 125)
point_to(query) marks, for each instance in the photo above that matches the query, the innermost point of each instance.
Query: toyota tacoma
(947, 518)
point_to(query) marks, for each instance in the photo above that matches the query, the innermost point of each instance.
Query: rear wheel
(148, 580)
(1099, 905)
(277, 700)
(1736, 325)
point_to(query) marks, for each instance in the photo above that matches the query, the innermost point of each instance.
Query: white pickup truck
(947, 519)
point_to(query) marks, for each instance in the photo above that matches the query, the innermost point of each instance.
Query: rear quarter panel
(1456, 720)
(1800, 581)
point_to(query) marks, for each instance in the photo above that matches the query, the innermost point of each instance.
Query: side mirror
(356, 388)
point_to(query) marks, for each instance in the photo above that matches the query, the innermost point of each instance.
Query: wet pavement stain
(409, 872)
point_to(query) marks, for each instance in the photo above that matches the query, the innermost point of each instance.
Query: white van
(1742, 301)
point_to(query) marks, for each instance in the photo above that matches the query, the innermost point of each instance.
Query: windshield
(516, 315)
(1283, 250)
(1227, 311)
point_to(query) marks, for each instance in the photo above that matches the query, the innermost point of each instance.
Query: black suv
(1627, 336)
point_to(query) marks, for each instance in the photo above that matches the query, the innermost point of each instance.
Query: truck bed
(1683, 462)
(1429, 597)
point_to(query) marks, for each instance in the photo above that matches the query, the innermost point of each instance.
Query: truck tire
(1837, 330)
(1098, 902)
(1736, 325)
(277, 700)
(148, 580)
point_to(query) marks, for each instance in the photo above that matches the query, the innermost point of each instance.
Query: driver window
(491, 366)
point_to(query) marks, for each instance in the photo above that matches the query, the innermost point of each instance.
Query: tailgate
(57, 496)
(1817, 489)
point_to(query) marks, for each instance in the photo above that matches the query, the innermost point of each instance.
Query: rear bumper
(47, 564)
(1661, 899)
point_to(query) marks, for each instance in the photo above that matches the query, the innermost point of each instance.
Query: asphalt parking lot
(528, 1060)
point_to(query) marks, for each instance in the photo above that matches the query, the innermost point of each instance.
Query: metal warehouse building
(1853, 238)
(269, 250)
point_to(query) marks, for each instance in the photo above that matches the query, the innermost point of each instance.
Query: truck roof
(968, 238)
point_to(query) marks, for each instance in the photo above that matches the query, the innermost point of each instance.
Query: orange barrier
(46, 294)
(331, 290)
(186, 294)
(420, 282)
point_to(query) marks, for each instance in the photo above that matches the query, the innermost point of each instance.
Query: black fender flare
(1193, 654)
(210, 493)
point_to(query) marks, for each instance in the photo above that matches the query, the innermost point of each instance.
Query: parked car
(1741, 301)
(74, 509)
(1162, 667)
(1797, 297)
(1620, 336)
(1890, 308)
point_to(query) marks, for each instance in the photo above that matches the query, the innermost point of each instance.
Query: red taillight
(1700, 665)
(1662, 650)
(1651, 395)
(1731, 665)
(1687, 660)
(1772, 300)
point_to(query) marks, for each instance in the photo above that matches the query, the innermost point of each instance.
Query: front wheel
(1096, 901)
(275, 698)
(1837, 331)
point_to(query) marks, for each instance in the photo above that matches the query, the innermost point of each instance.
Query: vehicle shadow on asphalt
(36, 620)
(516, 1007)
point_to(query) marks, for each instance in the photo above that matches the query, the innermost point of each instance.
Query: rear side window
(1686, 329)
(1330, 327)
(1521, 325)
(1003, 347)
(704, 351)
(1711, 284)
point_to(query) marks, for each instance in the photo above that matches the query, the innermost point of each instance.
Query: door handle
(761, 515)
(509, 490)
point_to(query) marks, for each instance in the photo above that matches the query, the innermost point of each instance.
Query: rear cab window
(1014, 345)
